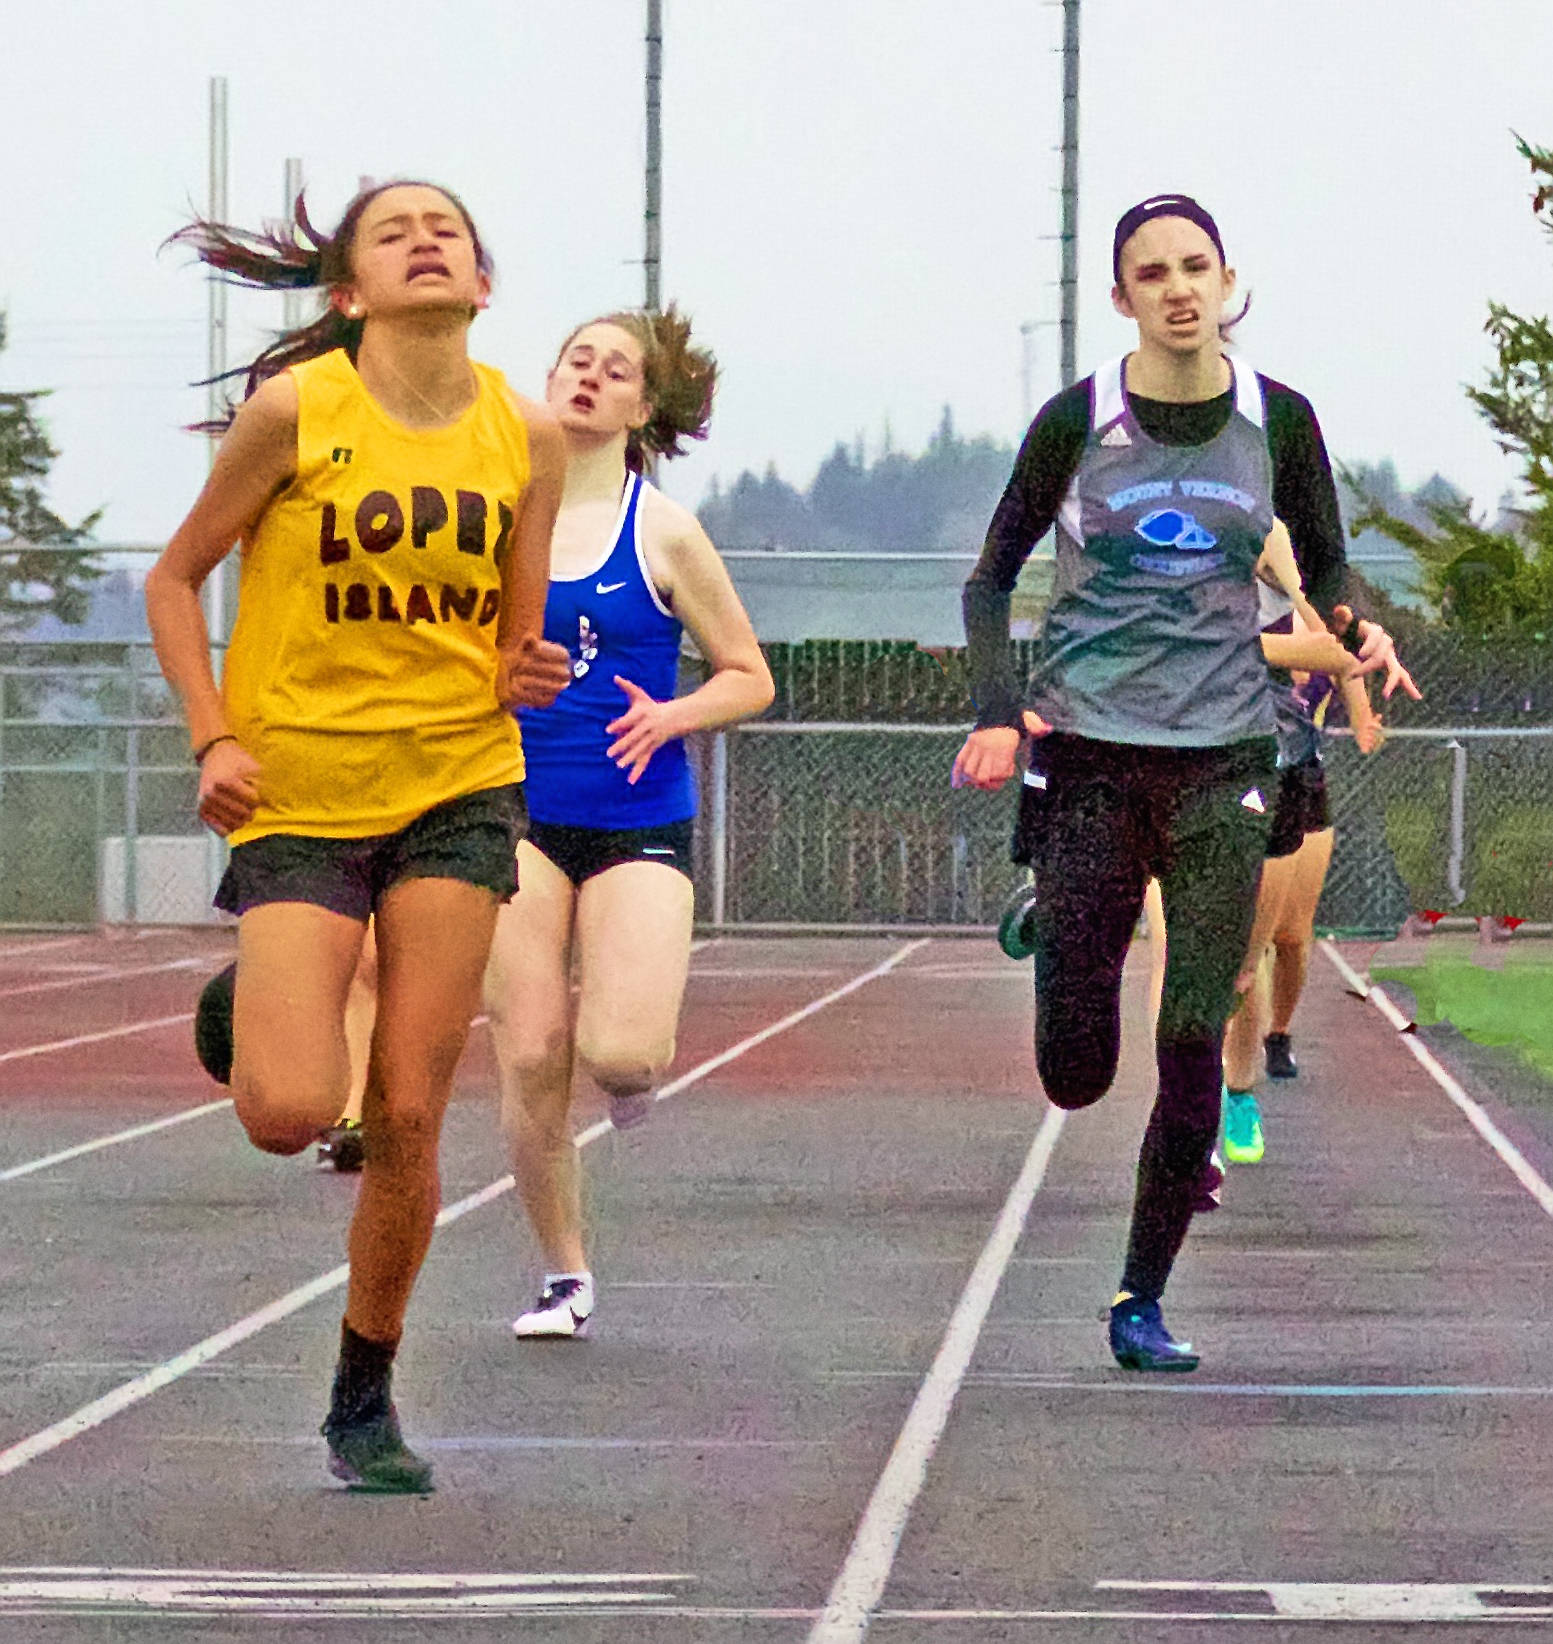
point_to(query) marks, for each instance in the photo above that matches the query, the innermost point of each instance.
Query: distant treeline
(895, 503)
(943, 499)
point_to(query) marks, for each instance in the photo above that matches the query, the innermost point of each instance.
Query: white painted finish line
(1364, 1600)
(73, 1591)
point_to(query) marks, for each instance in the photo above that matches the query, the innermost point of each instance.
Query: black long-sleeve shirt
(1304, 498)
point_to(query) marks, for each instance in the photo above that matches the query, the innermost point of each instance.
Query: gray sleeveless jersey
(1151, 635)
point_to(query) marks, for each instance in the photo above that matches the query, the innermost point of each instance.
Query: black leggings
(1109, 818)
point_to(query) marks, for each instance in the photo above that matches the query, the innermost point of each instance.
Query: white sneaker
(564, 1307)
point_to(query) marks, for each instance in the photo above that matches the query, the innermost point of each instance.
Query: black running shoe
(1140, 1340)
(1280, 1058)
(213, 1025)
(341, 1145)
(372, 1455)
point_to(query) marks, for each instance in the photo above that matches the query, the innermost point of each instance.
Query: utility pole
(1069, 235)
(215, 590)
(291, 299)
(1027, 370)
(652, 260)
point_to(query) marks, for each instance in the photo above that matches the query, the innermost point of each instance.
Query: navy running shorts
(582, 852)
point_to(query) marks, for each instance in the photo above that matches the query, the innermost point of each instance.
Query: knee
(537, 1093)
(625, 1069)
(281, 1122)
(1073, 1087)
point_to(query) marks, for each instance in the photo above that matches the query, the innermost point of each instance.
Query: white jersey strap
(1106, 401)
(1248, 391)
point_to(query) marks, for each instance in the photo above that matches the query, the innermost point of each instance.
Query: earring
(354, 311)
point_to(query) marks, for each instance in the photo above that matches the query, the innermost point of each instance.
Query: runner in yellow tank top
(395, 504)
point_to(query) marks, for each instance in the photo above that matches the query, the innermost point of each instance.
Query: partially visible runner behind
(1308, 665)
(394, 501)
(1152, 714)
(606, 895)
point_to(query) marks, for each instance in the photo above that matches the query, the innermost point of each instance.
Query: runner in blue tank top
(604, 875)
(1151, 713)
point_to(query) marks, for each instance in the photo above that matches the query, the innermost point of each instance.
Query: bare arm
(256, 460)
(691, 576)
(532, 673)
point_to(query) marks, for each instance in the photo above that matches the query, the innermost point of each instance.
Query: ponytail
(280, 258)
(678, 381)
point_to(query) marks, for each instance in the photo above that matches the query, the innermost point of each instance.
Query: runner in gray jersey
(1151, 714)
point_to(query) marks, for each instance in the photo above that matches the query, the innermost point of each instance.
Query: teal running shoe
(1243, 1143)
(1016, 934)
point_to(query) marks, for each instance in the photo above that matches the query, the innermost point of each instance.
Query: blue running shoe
(1243, 1143)
(1140, 1340)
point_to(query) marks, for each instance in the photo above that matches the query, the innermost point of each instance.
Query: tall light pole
(652, 259)
(1069, 235)
(291, 299)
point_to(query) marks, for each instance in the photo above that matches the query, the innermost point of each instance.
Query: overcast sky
(857, 199)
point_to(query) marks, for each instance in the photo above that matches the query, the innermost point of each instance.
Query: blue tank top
(613, 622)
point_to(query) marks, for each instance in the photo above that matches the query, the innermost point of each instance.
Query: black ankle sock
(361, 1378)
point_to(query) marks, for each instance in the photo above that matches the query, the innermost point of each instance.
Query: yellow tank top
(361, 672)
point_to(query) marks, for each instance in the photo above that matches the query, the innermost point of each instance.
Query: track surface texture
(848, 1373)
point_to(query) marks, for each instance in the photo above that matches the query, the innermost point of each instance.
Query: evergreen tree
(34, 583)
(1496, 579)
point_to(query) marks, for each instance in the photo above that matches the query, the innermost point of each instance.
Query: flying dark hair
(678, 381)
(278, 258)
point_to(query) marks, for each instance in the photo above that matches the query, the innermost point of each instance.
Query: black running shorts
(1301, 807)
(473, 838)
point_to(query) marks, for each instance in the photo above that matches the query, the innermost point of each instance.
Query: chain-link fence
(97, 818)
(852, 824)
(835, 810)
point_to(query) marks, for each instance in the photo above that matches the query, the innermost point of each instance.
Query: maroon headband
(1161, 205)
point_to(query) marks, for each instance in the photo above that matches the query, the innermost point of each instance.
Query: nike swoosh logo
(607, 587)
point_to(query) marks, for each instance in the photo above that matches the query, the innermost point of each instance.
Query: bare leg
(360, 1013)
(433, 938)
(1243, 1032)
(634, 925)
(528, 995)
(1154, 910)
(1296, 927)
(290, 1066)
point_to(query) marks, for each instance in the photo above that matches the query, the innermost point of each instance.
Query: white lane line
(24, 950)
(101, 976)
(94, 1038)
(1476, 1117)
(16, 1172)
(860, 1584)
(130, 1393)
(1389, 1601)
(136, 1027)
